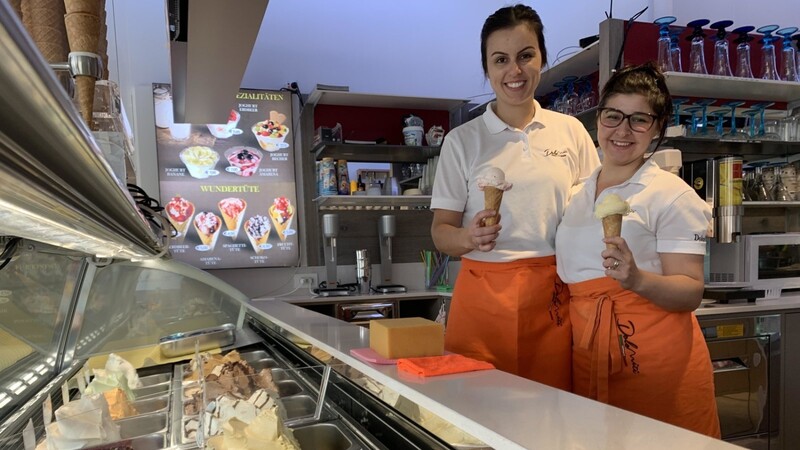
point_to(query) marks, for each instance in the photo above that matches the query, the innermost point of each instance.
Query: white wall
(409, 47)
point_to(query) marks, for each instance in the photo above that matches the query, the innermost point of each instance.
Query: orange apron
(632, 354)
(514, 315)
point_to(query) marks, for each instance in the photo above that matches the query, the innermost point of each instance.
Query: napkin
(431, 366)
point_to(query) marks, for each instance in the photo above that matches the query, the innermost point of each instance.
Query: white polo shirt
(543, 161)
(667, 216)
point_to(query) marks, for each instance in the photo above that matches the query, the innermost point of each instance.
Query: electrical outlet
(305, 280)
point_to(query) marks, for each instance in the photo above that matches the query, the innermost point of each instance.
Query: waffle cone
(256, 241)
(208, 239)
(94, 7)
(84, 87)
(612, 227)
(83, 32)
(44, 20)
(232, 223)
(180, 228)
(274, 216)
(492, 198)
(16, 5)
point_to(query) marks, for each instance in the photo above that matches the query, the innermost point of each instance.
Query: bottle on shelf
(344, 178)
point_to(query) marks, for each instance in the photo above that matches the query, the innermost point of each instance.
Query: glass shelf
(375, 152)
(379, 201)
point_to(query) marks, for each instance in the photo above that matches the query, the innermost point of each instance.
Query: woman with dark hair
(636, 342)
(509, 307)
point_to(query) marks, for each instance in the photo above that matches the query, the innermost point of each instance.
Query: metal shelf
(704, 147)
(584, 62)
(715, 86)
(345, 98)
(772, 204)
(375, 152)
(373, 200)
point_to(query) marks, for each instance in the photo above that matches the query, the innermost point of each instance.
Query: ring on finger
(615, 265)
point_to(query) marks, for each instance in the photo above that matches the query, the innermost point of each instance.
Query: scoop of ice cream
(494, 177)
(610, 205)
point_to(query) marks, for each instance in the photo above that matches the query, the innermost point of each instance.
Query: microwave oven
(762, 261)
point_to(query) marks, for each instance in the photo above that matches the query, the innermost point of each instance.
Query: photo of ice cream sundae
(208, 226)
(200, 161)
(493, 184)
(226, 130)
(232, 210)
(281, 213)
(244, 160)
(271, 133)
(257, 229)
(179, 213)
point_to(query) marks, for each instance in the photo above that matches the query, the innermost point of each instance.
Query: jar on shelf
(163, 107)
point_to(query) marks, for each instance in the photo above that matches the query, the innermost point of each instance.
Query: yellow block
(406, 338)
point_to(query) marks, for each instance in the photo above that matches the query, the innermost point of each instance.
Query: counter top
(772, 305)
(503, 410)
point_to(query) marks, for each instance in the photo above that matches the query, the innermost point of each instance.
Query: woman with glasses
(508, 307)
(636, 341)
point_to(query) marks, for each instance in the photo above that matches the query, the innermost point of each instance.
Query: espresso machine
(330, 230)
(386, 230)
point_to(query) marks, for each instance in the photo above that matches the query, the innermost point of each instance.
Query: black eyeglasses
(638, 121)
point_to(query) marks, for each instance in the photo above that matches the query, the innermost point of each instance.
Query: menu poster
(229, 188)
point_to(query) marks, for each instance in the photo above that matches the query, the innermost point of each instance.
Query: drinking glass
(704, 103)
(558, 104)
(779, 192)
(676, 109)
(722, 65)
(760, 192)
(664, 58)
(675, 49)
(734, 133)
(762, 133)
(788, 56)
(571, 98)
(751, 115)
(693, 121)
(743, 68)
(796, 38)
(697, 59)
(769, 65)
(719, 116)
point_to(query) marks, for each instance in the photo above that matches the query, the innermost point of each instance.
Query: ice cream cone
(232, 221)
(257, 241)
(180, 228)
(209, 239)
(612, 227)
(492, 198)
(281, 228)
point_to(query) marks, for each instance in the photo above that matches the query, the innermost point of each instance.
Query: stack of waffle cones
(84, 23)
(44, 20)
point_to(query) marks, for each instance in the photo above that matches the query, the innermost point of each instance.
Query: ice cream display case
(89, 360)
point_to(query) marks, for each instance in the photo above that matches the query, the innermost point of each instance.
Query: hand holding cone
(493, 184)
(610, 211)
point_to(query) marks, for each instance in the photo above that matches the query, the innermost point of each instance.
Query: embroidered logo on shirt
(557, 153)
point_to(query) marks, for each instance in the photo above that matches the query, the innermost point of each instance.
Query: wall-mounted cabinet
(368, 117)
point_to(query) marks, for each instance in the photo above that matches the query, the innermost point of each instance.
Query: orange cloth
(632, 354)
(431, 366)
(514, 315)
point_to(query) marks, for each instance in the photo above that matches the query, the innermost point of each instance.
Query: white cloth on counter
(82, 423)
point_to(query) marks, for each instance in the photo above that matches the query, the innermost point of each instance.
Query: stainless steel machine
(745, 353)
(387, 228)
(330, 231)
